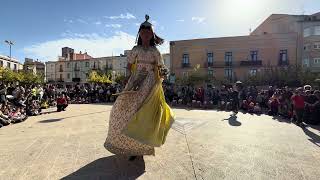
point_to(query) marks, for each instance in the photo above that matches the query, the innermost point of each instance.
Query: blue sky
(41, 28)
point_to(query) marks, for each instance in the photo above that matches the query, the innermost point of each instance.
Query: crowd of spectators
(17, 102)
(296, 104)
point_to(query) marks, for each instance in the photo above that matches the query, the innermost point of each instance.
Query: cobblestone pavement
(200, 145)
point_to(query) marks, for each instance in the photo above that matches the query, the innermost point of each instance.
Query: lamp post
(10, 43)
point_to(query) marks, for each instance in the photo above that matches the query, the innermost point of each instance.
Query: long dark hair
(154, 41)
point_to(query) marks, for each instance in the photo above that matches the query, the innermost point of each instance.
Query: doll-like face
(145, 34)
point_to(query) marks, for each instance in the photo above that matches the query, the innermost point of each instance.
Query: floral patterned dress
(127, 105)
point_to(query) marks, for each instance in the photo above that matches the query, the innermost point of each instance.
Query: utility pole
(10, 43)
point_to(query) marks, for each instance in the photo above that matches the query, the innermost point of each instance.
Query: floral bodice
(146, 58)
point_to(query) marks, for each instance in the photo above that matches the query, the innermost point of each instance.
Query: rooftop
(2, 57)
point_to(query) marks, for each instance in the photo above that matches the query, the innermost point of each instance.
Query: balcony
(76, 79)
(60, 70)
(228, 63)
(219, 64)
(76, 69)
(283, 63)
(95, 68)
(250, 63)
(185, 65)
(209, 64)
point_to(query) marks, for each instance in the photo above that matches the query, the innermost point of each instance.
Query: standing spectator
(3, 93)
(235, 100)
(298, 106)
(312, 107)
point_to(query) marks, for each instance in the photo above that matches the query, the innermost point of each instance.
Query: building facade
(233, 58)
(34, 66)
(307, 28)
(77, 70)
(280, 41)
(10, 63)
(166, 60)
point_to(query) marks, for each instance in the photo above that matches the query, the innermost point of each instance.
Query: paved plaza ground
(201, 145)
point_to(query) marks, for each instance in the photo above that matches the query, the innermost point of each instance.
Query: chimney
(80, 52)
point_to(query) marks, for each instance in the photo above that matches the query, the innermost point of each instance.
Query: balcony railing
(95, 68)
(283, 63)
(250, 63)
(60, 70)
(228, 63)
(185, 65)
(76, 79)
(219, 64)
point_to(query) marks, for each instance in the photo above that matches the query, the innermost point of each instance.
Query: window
(254, 55)
(252, 72)
(61, 77)
(8, 65)
(306, 63)
(68, 75)
(228, 57)
(1, 63)
(316, 45)
(210, 58)
(306, 47)
(307, 32)
(185, 59)
(228, 73)
(52, 65)
(68, 65)
(61, 68)
(317, 30)
(210, 72)
(316, 60)
(283, 56)
(15, 66)
(185, 74)
(87, 64)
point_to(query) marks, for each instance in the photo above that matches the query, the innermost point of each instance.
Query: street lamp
(10, 43)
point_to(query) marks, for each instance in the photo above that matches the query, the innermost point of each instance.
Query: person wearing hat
(140, 118)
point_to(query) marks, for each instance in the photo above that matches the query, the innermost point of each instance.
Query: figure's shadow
(314, 138)
(50, 120)
(233, 120)
(111, 167)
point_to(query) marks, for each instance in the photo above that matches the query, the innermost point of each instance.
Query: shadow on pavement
(314, 138)
(233, 120)
(281, 119)
(84, 114)
(111, 167)
(59, 119)
(50, 120)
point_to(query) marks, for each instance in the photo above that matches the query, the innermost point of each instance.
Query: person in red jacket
(298, 105)
(62, 102)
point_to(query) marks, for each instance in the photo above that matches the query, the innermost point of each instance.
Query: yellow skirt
(151, 123)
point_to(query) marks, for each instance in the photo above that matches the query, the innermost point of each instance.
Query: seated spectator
(4, 119)
(62, 103)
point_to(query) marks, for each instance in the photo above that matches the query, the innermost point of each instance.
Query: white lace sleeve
(159, 58)
(132, 55)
